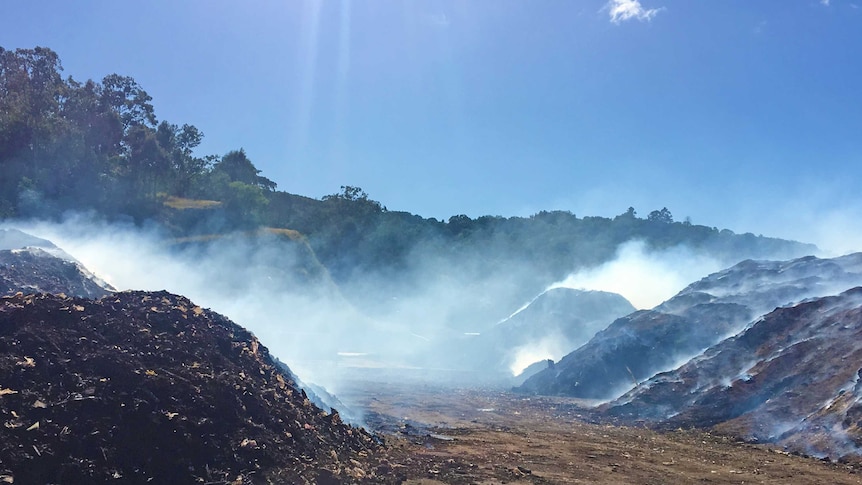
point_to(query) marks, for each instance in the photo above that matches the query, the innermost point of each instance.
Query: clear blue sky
(738, 113)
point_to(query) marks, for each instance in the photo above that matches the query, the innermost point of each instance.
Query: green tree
(356, 198)
(146, 163)
(128, 100)
(30, 90)
(244, 205)
(348, 192)
(663, 216)
(178, 143)
(84, 109)
(630, 214)
(238, 168)
(460, 224)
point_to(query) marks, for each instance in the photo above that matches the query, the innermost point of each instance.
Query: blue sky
(737, 113)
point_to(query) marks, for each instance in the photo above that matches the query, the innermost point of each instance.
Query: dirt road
(457, 435)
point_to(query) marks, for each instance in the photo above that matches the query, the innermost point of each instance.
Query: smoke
(234, 277)
(551, 347)
(276, 288)
(645, 278)
(425, 316)
(836, 232)
(825, 215)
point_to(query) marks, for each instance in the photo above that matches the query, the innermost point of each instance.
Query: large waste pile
(144, 387)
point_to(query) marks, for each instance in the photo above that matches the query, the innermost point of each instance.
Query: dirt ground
(460, 435)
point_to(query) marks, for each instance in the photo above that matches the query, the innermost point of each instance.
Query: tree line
(98, 145)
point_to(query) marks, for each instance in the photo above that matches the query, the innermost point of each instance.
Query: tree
(356, 196)
(244, 204)
(663, 216)
(178, 144)
(348, 192)
(42, 150)
(629, 214)
(30, 88)
(147, 164)
(98, 125)
(128, 100)
(70, 145)
(460, 224)
(238, 168)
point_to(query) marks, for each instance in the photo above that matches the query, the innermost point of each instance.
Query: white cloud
(622, 10)
(825, 2)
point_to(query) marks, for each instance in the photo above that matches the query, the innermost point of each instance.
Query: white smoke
(551, 347)
(645, 278)
(310, 326)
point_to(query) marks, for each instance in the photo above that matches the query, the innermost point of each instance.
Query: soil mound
(147, 387)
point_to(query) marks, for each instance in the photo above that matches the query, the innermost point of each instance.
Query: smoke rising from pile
(228, 278)
(642, 277)
(550, 347)
(424, 318)
(293, 306)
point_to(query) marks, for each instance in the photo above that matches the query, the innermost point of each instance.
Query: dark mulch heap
(142, 387)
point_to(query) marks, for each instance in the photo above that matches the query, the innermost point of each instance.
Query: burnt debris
(150, 388)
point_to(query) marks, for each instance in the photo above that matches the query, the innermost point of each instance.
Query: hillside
(277, 258)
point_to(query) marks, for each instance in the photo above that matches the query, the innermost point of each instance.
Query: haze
(315, 330)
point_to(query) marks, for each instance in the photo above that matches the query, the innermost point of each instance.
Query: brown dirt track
(446, 435)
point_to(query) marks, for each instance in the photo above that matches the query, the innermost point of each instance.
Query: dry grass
(180, 203)
(293, 235)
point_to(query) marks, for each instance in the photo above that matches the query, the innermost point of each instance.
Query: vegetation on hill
(68, 145)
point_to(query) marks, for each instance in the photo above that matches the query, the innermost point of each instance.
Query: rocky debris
(147, 387)
(641, 345)
(34, 270)
(792, 377)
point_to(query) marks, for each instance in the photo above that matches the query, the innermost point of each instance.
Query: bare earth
(457, 435)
